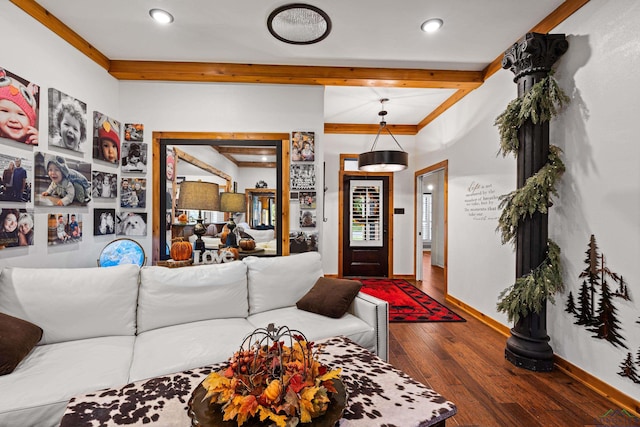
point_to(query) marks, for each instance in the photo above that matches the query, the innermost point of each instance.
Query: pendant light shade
(383, 160)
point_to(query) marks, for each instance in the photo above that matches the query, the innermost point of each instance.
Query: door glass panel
(365, 219)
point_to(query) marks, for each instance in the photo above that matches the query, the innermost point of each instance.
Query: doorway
(365, 225)
(431, 219)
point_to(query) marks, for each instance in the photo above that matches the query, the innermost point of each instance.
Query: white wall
(599, 193)
(41, 57)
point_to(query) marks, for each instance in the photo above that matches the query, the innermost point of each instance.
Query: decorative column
(531, 60)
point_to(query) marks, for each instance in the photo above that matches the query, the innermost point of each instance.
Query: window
(426, 217)
(365, 218)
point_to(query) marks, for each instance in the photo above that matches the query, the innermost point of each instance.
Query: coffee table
(378, 395)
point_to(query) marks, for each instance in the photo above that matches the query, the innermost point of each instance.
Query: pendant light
(383, 160)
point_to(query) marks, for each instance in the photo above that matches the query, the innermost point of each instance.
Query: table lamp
(232, 203)
(201, 196)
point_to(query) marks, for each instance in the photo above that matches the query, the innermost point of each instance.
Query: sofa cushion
(89, 302)
(315, 326)
(187, 346)
(17, 338)
(171, 296)
(330, 297)
(276, 282)
(37, 392)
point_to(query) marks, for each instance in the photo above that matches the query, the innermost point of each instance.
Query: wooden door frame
(341, 210)
(444, 166)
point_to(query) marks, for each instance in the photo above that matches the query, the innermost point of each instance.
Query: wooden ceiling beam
(200, 164)
(263, 151)
(294, 74)
(350, 128)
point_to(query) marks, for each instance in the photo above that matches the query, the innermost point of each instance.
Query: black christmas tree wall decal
(628, 368)
(601, 317)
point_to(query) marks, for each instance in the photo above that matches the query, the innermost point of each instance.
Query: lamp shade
(232, 202)
(199, 195)
(383, 161)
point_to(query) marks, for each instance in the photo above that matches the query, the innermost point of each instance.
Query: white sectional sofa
(104, 327)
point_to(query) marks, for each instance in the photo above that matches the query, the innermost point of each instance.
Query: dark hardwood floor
(464, 362)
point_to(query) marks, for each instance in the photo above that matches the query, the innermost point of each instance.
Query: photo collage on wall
(51, 169)
(303, 181)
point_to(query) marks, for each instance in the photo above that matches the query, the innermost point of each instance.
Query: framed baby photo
(307, 218)
(64, 228)
(16, 228)
(131, 224)
(67, 122)
(133, 192)
(104, 222)
(104, 185)
(134, 157)
(20, 105)
(65, 182)
(17, 177)
(133, 132)
(303, 147)
(107, 136)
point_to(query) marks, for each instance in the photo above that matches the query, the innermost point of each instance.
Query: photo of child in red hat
(106, 138)
(18, 109)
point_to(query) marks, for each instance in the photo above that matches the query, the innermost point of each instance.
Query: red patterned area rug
(408, 303)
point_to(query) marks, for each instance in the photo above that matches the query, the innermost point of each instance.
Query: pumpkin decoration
(234, 252)
(247, 244)
(182, 217)
(181, 250)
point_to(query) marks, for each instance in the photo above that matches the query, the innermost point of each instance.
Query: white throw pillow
(172, 296)
(72, 303)
(277, 282)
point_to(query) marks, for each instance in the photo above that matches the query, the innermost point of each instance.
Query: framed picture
(20, 98)
(16, 228)
(104, 222)
(131, 224)
(17, 177)
(64, 228)
(307, 199)
(303, 176)
(133, 192)
(106, 138)
(67, 121)
(300, 241)
(134, 157)
(134, 132)
(65, 181)
(104, 185)
(303, 147)
(307, 218)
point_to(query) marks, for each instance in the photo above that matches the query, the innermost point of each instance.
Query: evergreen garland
(528, 293)
(534, 196)
(540, 104)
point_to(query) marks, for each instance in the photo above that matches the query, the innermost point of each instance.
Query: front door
(365, 226)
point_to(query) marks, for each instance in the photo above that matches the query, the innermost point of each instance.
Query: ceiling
(375, 49)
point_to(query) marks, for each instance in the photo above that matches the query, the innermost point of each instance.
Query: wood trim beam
(257, 151)
(294, 74)
(42, 15)
(352, 128)
(200, 164)
(257, 165)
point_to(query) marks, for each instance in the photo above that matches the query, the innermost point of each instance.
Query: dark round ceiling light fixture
(299, 23)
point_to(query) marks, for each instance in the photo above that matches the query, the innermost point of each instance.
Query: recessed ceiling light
(299, 23)
(264, 158)
(161, 16)
(431, 25)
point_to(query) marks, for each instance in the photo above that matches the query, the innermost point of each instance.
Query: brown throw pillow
(330, 297)
(17, 338)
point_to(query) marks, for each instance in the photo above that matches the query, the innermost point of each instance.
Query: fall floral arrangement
(275, 376)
